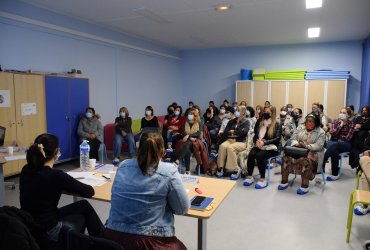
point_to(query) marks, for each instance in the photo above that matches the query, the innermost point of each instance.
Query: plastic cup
(92, 163)
(10, 150)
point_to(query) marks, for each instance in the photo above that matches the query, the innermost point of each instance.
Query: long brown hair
(150, 152)
(271, 128)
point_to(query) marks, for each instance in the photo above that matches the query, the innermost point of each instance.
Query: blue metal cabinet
(66, 100)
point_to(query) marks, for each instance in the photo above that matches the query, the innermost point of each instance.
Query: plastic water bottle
(84, 155)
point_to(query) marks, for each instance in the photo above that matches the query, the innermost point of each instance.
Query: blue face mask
(122, 114)
(222, 111)
(237, 114)
(190, 117)
(228, 116)
(88, 114)
(295, 116)
(177, 113)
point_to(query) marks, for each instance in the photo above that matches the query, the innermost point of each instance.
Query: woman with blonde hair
(192, 142)
(266, 139)
(146, 194)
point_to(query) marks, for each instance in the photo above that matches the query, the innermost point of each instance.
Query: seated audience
(289, 109)
(90, 129)
(122, 132)
(341, 131)
(361, 209)
(213, 107)
(323, 118)
(208, 115)
(259, 112)
(361, 130)
(215, 124)
(266, 139)
(149, 123)
(312, 138)
(167, 117)
(41, 186)
(192, 143)
(146, 194)
(226, 103)
(174, 126)
(234, 141)
(291, 125)
(229, 114)
(191, 105)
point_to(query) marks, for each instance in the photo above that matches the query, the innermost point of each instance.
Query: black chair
(70, 239)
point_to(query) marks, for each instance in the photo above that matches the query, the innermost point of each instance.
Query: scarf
(191, 130)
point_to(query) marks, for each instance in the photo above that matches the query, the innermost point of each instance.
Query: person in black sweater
(41, 187)
(122, 132)
(149, 123)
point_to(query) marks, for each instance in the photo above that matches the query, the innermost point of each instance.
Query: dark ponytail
(150, 152)
(44, 149)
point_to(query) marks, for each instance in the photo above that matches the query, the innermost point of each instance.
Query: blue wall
(118, 76)
(211, 74)
(124, 77)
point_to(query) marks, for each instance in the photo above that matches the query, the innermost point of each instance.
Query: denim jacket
(146, 205)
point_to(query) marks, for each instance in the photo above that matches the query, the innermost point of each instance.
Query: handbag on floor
(295, 152)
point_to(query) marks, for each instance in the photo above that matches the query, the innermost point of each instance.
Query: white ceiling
(193, 24)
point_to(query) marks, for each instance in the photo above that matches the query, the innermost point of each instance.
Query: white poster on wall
(5, 98)
(28, 108)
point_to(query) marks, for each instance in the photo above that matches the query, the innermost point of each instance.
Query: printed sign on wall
(5, 98)
(28, 108)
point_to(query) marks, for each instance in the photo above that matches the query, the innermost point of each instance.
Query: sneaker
(332, 178)
(283, 186)
(236, 175)
(302, 191)
(360, 209)
(220, 173)
(115, 162)
(248, 181)
(261, 184)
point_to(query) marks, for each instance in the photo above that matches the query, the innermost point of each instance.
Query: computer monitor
(2, 135)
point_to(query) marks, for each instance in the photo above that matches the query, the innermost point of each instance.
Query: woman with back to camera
(310, 137)
(90, 129)
(146, 194)
(41, 187)
(122, 132)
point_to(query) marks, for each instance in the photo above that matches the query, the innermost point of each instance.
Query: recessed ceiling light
(222, 7)
(313, 32)
(310, 4)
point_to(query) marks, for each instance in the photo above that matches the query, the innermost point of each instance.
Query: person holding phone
(146, 193)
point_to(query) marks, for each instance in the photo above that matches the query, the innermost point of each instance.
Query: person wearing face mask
(174, 126)
(323, 118)
(243, 103)
(259, 112)
(211, 105)
(267, 133)
(226, 103)
(149, 123)
(289, 108)
(208, 115)
(235, 105)
(41, 186)
(192, 143)
(361, 130)
(229, 114)
(167, 117)
(123, 132)
(233, 142)
(191, 105)
(311, 137)
(341, 132)
(90, 129)
(215, 124)
(291, 125)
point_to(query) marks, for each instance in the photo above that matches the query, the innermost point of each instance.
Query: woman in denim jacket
(146, 194)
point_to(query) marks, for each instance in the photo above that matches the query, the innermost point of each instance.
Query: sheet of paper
(28, 109)
(5, 98)
(189, 178)
(93, 181)
(15, 157)
(105, 168)
(76, 174)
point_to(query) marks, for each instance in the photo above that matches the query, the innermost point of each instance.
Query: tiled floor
(268, 219)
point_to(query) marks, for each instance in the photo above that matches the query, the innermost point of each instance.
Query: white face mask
(222, 111)
(122, 114)
(89, 115)
(148, 113)
(190, 117)
(177, 113)
(283, 113)
(342, 117)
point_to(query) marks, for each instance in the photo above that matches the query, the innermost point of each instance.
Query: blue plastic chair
(342, 156)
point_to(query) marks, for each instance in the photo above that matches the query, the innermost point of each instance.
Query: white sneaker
(248, 181)
(261, 184)
(360, 209)
(236, 175)
(332, 178)
(220, 173)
